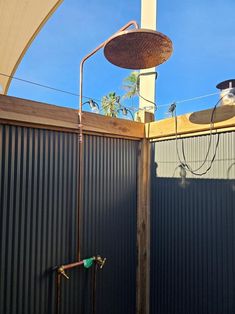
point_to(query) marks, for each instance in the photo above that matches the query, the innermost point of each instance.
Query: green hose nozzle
(88, 262)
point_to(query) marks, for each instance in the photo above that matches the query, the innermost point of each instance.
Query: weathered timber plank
(102, 124)
(143, 229)
(31, 113)
(224, 117)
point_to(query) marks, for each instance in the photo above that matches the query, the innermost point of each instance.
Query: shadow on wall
(222, 113)
(183, 182)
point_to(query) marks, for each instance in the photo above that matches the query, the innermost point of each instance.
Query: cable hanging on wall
(184, 165)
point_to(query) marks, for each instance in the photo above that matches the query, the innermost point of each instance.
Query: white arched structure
(20, 22)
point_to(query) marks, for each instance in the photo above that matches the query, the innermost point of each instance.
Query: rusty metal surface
(138, 49)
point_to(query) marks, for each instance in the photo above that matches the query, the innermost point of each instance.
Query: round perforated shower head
(138, 49)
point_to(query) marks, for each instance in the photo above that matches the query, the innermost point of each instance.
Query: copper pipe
(80, 183)
(97, 259)
(60, 273)
(99, 262)
(92, 53)
(80, 161)
(80, 178)
(58, 293)
(93, 302)
(72, 265)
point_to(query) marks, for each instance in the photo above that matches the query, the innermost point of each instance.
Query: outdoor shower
(132, 49)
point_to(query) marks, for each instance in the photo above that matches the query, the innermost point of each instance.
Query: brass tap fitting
(100, 261)
(62, 272)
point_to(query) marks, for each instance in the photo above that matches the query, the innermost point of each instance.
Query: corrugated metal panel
(193, 231)
(38, 206)
(195, 150)
(110, 219)
(38, 220)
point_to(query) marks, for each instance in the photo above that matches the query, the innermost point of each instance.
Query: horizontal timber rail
(192, 124)
(29, 113)
(17, 111)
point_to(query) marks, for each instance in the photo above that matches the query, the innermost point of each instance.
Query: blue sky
(202, 32)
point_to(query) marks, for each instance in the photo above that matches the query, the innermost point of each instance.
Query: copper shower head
(138, 49)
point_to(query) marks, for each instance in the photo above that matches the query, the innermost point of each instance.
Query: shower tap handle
(62, 272)
(100, 261)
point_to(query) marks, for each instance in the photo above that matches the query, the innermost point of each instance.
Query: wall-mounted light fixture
(227, 94)
(93, 105)
(125, 111)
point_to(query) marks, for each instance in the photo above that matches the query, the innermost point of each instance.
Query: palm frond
(130, 85)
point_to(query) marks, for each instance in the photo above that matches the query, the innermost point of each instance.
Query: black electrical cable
(74, 94)
(149, 101)
(229, 169)
(125, 109)
(121, 108)
(175, 170)
(56, 89)
(44, 86)
(210, 140)
(138, 87)
(183, 162)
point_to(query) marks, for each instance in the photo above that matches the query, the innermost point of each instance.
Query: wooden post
(143, 229)
(144, 116)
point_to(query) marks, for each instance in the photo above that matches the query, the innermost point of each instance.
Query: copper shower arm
(134, 23)
(132, 49)
(80, 164)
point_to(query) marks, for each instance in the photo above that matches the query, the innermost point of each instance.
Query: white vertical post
(147, 82)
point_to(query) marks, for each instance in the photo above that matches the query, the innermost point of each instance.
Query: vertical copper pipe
(58, 293)
(80, 161)
(80, 174)
(93, 301)
(80, 182)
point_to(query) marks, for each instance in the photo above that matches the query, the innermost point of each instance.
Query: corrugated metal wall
(193, 229)
(110, 220)
(38, 220)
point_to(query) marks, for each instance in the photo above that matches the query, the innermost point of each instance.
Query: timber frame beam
(192, 124)
(17, 111)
